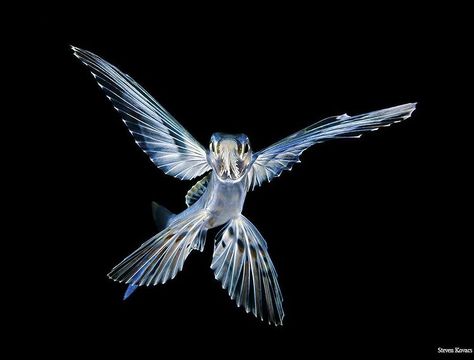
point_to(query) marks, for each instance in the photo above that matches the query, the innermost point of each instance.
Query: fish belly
(225, 203)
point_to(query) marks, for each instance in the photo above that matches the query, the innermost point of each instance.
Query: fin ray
(162, 257)
(198, 189)
(242, 263)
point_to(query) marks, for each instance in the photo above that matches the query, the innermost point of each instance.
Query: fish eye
(215, 147)
(242, 148)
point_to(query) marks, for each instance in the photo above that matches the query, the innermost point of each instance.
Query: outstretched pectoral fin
(168, 144)
(272, 161)
(242, 263)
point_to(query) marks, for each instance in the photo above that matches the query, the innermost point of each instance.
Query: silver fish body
(224, 200)
(229, 169)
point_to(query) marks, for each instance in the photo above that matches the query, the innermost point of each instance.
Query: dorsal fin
(197, 190)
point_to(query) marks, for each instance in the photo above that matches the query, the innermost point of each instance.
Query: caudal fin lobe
(161, 215)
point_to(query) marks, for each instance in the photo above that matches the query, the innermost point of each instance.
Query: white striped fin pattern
(167, 143)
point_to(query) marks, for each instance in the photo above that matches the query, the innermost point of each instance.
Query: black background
(369, 237)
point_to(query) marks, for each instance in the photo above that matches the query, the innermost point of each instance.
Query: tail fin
(162, 257)
(241, 262)
(162, 217)
(131, 288)
(129, 291)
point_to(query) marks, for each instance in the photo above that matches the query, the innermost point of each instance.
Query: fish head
(230, 155)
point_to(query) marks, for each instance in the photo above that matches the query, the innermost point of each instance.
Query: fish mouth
(224, 175)
(229, 167)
